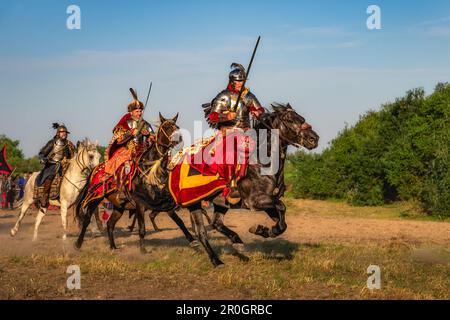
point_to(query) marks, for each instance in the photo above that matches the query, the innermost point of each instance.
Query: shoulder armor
(222, 102)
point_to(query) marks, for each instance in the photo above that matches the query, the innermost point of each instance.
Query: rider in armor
(131, 137)
(233, 121)
(55, 156)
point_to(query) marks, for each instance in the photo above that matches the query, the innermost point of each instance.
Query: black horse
(147, 193)
(260, 192)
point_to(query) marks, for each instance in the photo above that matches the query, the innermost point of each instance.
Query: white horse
(81, 165)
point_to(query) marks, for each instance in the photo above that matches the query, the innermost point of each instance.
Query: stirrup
(234, 196)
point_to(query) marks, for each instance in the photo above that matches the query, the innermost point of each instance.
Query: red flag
(5, 168)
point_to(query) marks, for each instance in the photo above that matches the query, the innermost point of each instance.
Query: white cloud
(88, 90)
(437, 31)
(435, 21)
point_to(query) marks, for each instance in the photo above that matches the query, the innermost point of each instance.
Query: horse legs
(98, 221)
(40, 216)
(217, 223)
(133, 223)
(173, 215)
(140, 216)
(196, 214)
(277, 214)
(115, 216)
(64, 218)
(153, 214)
(85, 223)
(205, 213)
(23, 210)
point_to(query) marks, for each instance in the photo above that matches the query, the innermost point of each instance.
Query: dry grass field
(324, 254)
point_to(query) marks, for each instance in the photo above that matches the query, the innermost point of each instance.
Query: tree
(16, 157)
(400, 152)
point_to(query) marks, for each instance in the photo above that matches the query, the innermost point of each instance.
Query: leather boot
(234, 196)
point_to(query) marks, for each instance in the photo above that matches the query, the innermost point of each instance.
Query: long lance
(145, 106)
(246, 75)
(12, 172)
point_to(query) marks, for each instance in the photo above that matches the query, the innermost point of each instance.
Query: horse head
(88, 156)
(167, 135)
(293, 128)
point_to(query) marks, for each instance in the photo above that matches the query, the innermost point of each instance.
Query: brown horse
(157, 198)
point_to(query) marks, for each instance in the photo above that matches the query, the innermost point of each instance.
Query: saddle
(56, 185)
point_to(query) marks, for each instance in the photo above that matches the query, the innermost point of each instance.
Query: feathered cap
(136, 104)
(59, 128)
(238, 72)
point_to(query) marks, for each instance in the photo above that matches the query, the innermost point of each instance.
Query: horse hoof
(239, 247)
(194, 244)
(114, 248)
(253, 229)
(76, 246)
(34, 239)
(219, 265)
(64, 237)
(143, 250)
(13, 232)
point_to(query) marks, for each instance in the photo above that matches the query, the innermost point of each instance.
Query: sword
(141, 120)
(148, 96)
(246, 74)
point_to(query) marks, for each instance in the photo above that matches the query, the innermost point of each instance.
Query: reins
(289, 141)
(85, 169)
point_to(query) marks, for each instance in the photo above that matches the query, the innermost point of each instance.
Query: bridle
(282, 137)
(158, 135)
(161, 131)
(86, 169)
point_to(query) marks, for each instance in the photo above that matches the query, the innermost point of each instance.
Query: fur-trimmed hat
(136, 104)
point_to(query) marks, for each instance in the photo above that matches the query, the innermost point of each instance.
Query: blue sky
(317, 55)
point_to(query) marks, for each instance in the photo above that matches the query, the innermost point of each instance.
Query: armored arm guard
(45, 151)
(220, 108)
(255, 108)
(145, 128)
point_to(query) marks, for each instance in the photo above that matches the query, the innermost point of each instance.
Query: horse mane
(270, 115)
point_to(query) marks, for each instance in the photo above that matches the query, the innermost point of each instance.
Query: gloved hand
(43, 160)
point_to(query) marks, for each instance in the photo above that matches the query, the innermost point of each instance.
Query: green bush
(16, 158)
(400, 152)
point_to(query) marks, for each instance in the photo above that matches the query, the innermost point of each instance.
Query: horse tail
(154, 173)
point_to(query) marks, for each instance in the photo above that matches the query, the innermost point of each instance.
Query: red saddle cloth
(207, 167)
(188, 186)
(98, 188)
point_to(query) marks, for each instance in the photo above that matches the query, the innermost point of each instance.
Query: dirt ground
(323, 254)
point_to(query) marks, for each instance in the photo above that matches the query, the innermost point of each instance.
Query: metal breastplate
(243, 114)
(242, 111)
(58, 151)
(132, 123)
(226, 102)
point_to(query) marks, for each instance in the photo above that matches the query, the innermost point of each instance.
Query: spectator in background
(10, 193)
(21, 181)
(2, 191)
